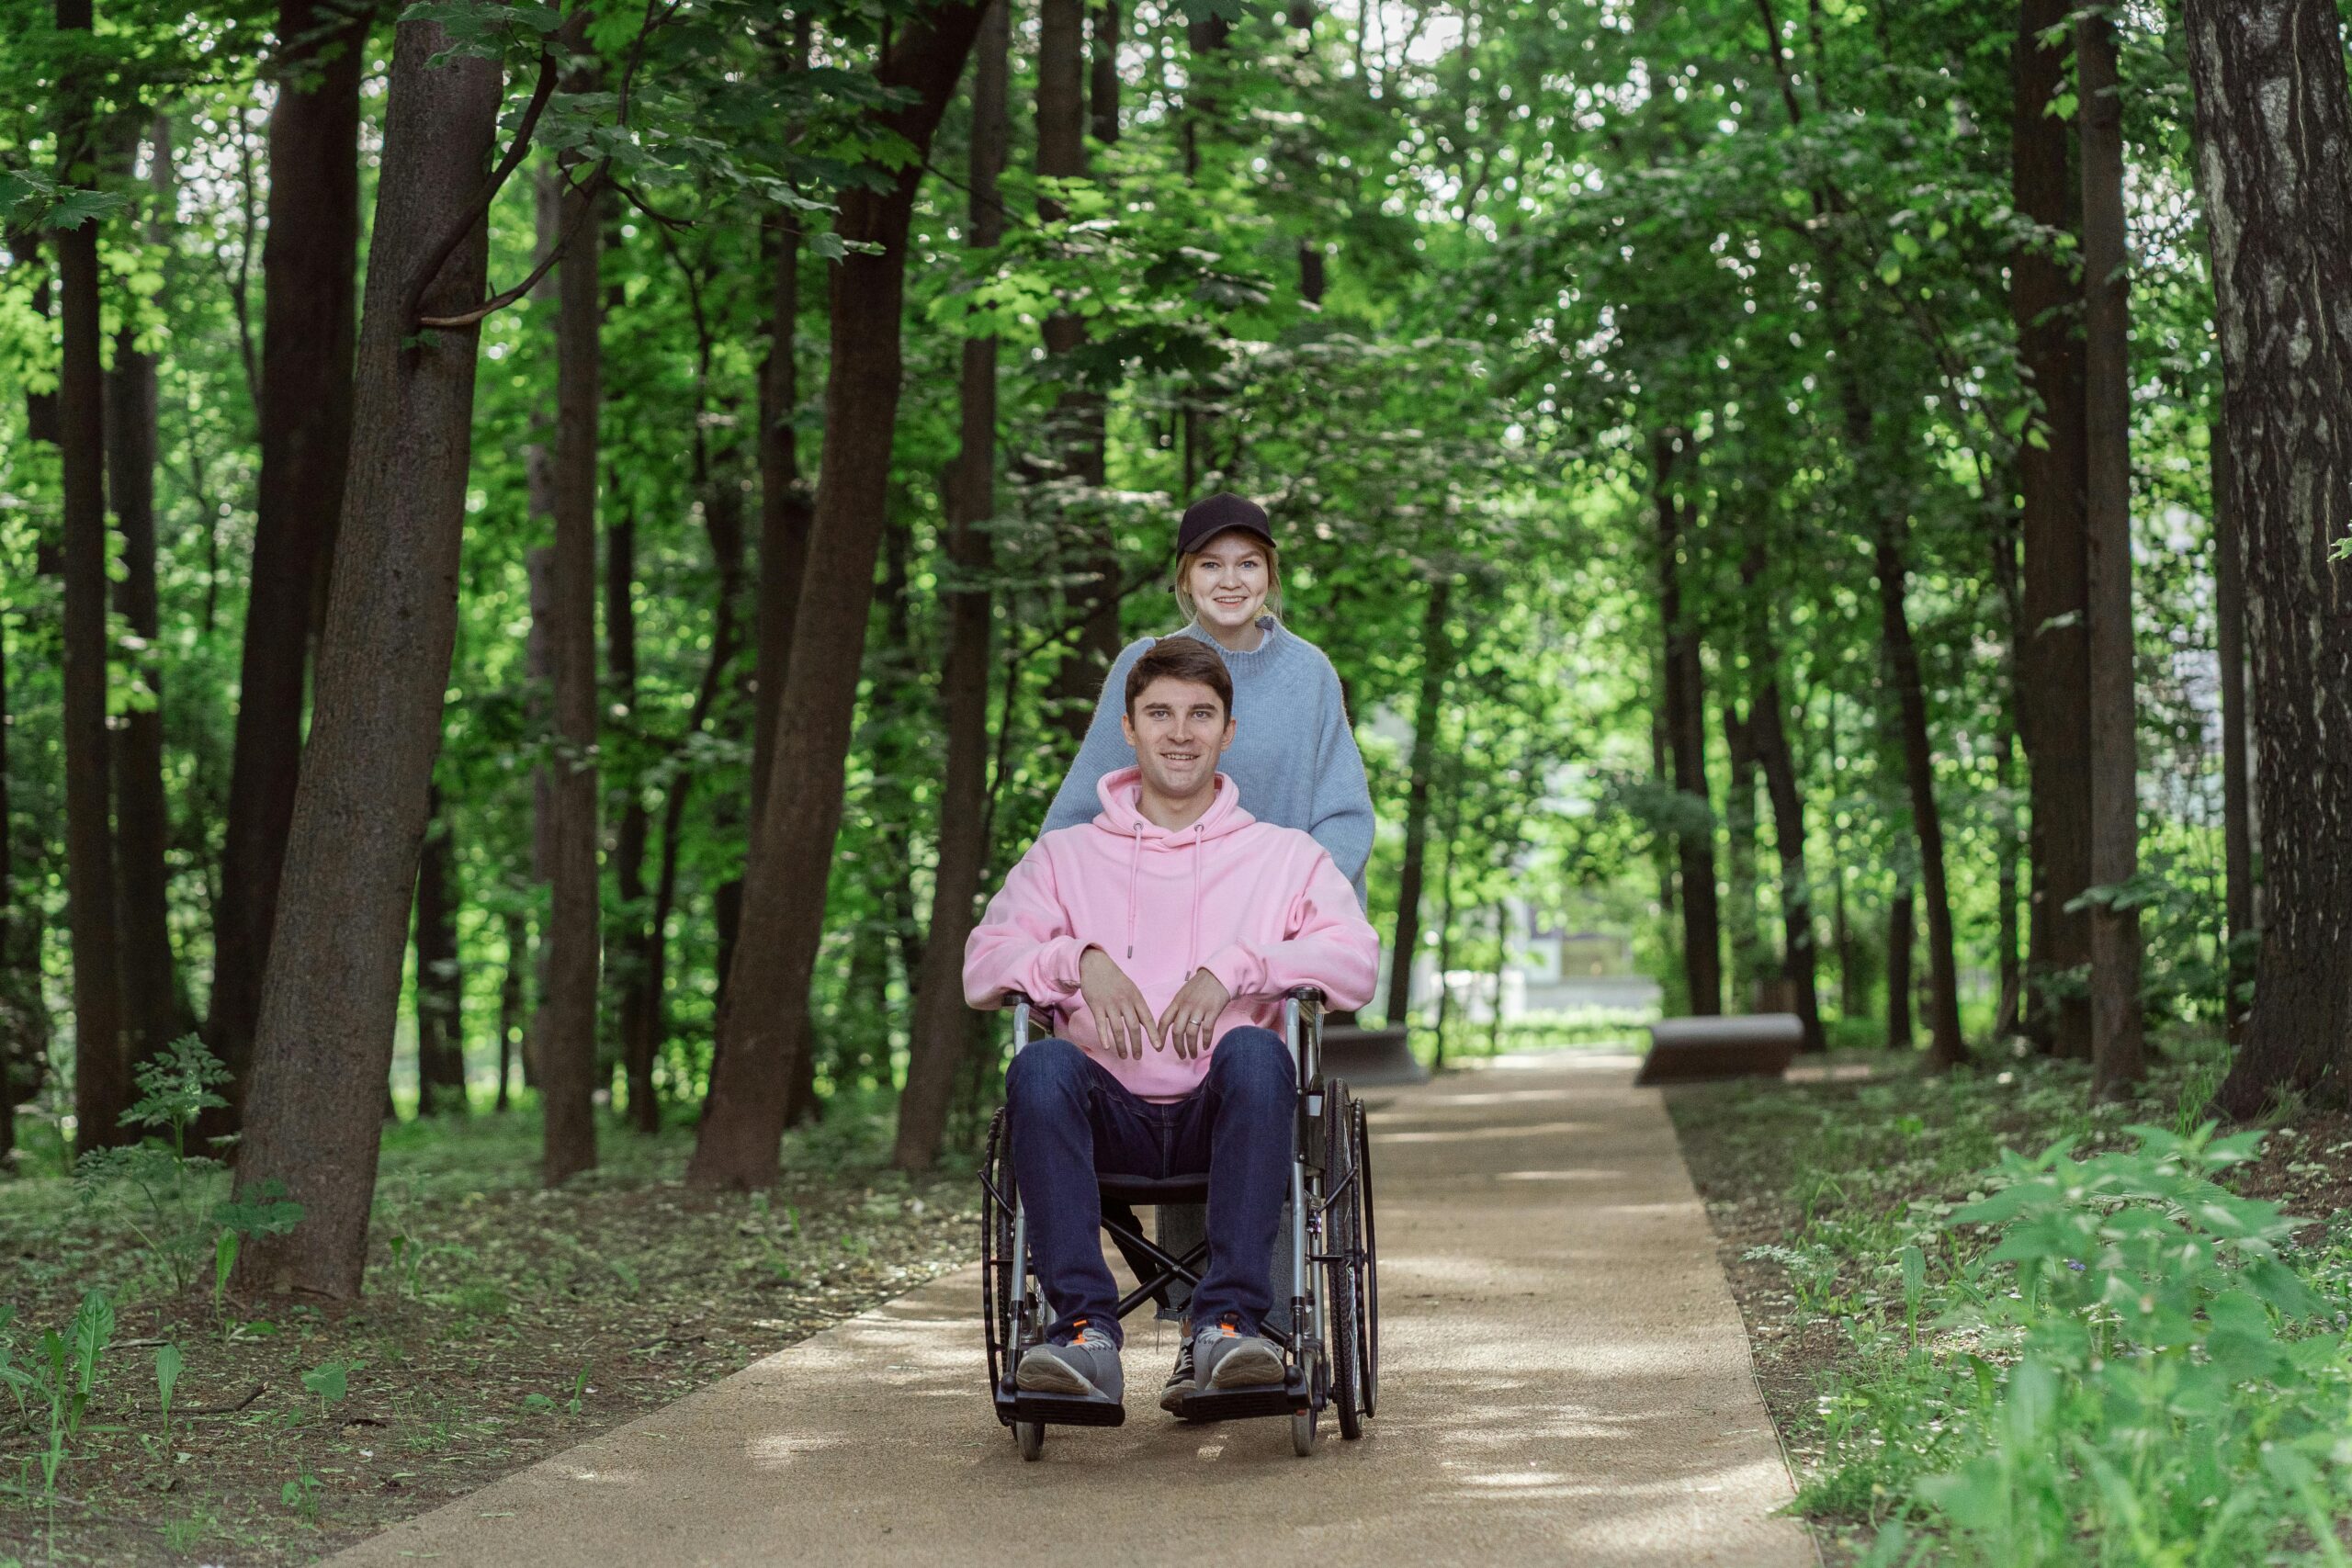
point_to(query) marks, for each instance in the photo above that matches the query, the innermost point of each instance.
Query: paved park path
(1565, 1382)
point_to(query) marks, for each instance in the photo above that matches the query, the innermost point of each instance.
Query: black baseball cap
(1211, 515)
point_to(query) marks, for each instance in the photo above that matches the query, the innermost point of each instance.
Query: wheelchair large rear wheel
(1367, 1276)
(999, 1271)
(1343, 1257)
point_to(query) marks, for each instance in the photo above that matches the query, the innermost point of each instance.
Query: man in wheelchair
(1165, 933)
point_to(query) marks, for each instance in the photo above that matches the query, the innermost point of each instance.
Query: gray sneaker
(1224, 1357)
(1086, 1368)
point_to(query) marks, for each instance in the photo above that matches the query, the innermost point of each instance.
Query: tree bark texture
(784, 503)
(1437, 664)
(511, 1012)
(568, 1009)
(936, 1044)
(1752, 955)
(332, 987)
(2053, 660)
(1902, 943)
(2118, 1049)
(2274, 122)
(2237, 819)
(102, 1073)
(1103, 74)
(1686, 734)
(792, 840)
(309, 283)
(440, 986)
(1800, 960)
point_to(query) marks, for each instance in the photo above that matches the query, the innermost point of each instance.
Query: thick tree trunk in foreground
(2237, 818)
(792, 841)
(102, 1073)
(937, 1045)
(314, 1118)
(2053, 660)
(2274, 121)
(440, 988)
(309, 267)
(1437, 663)
(567, 1011)
(1686, 732)
(2118, 1051)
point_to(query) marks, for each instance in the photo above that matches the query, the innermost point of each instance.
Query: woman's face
(1229, 578)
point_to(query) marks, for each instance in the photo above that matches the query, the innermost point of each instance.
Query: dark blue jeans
(1070, 1119)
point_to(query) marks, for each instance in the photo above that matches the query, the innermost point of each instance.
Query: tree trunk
(1437, 663)
(1902, 935)
(632, 937)
(792, 840)
(440, 985)
(1752, 955)
(1945, 1046)
(1103, 78)
(1686, 733)
(2274, 117)
(332, 989)
(937, 1045)
(308, 266)
(102, 1075)
(1800, 963)
(511, 1012)
(2053, 657)
(1445, 926)
(2237, 827)
(1073, 467)
(2117, 1050)
(567, 1030)
(154, 1012)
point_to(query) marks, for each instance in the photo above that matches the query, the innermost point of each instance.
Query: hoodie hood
(1121, 793)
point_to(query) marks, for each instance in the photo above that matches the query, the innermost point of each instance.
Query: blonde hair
(1274, 605)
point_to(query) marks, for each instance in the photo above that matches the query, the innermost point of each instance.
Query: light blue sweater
(1293, 759)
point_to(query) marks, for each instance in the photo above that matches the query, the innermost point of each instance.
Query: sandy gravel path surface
(1565, 1382)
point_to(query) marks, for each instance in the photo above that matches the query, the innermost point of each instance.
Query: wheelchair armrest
(1306, 995)
(1015, 998)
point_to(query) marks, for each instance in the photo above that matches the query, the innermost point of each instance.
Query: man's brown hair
(1181, 659)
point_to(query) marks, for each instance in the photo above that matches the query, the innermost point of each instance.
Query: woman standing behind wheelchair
(1294, 760)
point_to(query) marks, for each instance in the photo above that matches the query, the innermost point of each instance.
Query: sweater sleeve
(1104, 751)
(1024, 942)
(1330, 944)
(1342, 821)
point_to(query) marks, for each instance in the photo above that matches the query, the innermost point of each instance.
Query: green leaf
(329, 1380)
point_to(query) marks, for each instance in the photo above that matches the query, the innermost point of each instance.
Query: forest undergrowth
(149, 1419)
(1996, 1324)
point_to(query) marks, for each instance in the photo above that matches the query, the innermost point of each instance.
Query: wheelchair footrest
(1058, 1409)
(1243, 1404)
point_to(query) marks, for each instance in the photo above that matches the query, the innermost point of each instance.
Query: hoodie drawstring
(1134, 867)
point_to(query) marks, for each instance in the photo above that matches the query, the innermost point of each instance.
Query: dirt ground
(501, 1324)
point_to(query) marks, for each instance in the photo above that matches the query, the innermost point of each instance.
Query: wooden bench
(1693, 1049)
(1370, 1058)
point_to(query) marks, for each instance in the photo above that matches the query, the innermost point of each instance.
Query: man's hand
(1122, 1017)
(1190, 1022)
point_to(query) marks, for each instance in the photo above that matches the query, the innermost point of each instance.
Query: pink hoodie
(1261, 907)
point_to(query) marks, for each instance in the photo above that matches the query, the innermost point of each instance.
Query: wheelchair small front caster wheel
(1304, 1432)
(1031, 1436)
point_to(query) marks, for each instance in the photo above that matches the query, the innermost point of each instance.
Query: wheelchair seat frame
(1331, 1352)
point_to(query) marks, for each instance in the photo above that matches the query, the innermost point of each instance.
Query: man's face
(1179, 730)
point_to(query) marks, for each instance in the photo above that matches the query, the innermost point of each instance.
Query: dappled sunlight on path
(1565, 1380)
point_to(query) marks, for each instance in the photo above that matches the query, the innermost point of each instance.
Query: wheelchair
(1331, 1352)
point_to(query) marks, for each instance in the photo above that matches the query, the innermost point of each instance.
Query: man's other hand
(1190, 1022)
(1122, 1017)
